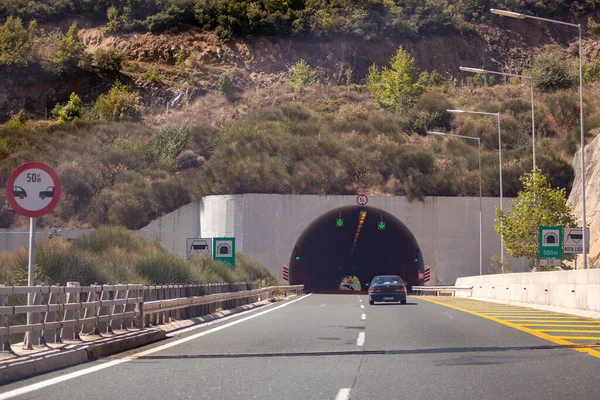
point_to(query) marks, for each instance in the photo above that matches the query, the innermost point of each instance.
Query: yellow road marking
(563, 325)
(567, 331)
(541, 335)
(579, 337)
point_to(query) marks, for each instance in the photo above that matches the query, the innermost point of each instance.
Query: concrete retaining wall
(578, 290)
(267, 226)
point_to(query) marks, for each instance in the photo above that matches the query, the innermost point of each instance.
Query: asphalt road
(332, 347)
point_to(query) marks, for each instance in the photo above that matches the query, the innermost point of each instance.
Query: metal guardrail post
(106, 294)
(70, 332)
(32, 338)
(4, 345)
(53, 335)
(116, 322)
(91, 328)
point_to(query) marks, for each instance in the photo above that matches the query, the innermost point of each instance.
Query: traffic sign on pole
(551, 242)
(33, 189)
(224, 250)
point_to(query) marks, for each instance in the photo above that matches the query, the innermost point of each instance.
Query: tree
(538, 204)
(550, 72)
(119, 104)
(71, 111)
(15, 45)
(70, 49)
(301, 74)
(396, 88)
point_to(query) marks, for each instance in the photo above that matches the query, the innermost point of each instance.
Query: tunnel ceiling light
(361, 221)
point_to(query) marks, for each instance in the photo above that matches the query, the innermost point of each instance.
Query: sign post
(551, 245)
(33, 190)
(224, 250)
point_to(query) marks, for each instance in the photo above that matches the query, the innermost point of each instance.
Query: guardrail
(71, 310)
(440, 290)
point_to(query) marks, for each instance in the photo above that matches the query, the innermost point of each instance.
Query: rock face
(592, 198)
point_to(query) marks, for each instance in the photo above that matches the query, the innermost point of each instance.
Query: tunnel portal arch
(367, 242)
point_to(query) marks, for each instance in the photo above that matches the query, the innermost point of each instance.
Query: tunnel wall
(267, 226)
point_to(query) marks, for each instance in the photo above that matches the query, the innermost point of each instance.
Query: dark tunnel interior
(354, 240)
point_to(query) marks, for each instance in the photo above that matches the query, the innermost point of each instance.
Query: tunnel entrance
(356, 241)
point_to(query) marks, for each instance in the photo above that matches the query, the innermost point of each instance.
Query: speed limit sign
(362, 199)
(33, 189)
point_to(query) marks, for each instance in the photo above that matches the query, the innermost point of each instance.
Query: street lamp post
(483, 71)
(480, 191)
(578, 26)
(497, 115)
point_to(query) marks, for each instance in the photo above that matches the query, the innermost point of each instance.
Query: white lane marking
(323, 305)
(361, 339)
(360, 300)
(343, 394)
(362, 306)
(448, 315)
(363, 317)
(40, 385)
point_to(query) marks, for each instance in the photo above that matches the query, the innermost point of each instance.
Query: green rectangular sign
(224, 250)
(551, 242)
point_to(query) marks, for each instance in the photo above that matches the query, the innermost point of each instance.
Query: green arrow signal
(339, 222)
(381, 225)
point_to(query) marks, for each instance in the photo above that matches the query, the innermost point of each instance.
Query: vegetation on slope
(114, 255)
(234, 17)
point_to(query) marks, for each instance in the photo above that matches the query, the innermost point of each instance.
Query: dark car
(387, 288)
(19, 192)
(47, 193)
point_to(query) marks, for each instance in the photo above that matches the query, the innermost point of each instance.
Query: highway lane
(310, 349)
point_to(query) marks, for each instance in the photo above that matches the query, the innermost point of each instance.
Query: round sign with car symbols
(33, 189)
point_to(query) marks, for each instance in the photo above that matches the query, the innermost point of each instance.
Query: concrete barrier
(564, 290)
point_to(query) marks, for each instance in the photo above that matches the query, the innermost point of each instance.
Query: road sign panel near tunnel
(224, 250)
(573, 241)
(33, 189)
(551, 242)
(197, 246)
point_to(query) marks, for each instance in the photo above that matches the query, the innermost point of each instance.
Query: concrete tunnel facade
(270, 228)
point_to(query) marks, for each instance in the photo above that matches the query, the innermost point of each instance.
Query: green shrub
(17, 121)
(119, 104)
(550, 72)
(166, 144)
(108, 61)
(153, 75)
(301, 74)
(158, 266)
(104, 238)
(167, 196)
(226, 86)
(56, 258)
(188, 159)
(431, 79)
(395, 88)
(429, 112)
(69, 112)
(591, 71)
(296, 112)
(70, 49)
